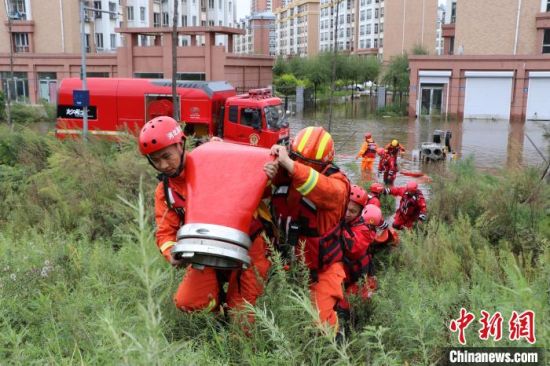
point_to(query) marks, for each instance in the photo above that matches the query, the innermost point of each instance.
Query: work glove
(422, 217)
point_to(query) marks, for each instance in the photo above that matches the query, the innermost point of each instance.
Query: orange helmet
(313, 144)
(159, 133)
(358, 195)
(372, 215)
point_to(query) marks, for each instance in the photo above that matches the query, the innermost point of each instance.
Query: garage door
(538, 97)
(488, 94)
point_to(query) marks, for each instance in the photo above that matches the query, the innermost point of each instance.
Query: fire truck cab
(208, 108)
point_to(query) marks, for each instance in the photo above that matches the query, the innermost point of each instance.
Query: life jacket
(299, 223)
(355, 268)
(371, 150)
(409, 205)
(173, 199)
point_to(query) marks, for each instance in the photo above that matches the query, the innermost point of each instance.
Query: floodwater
(494, 144)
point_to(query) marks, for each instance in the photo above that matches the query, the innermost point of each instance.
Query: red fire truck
(208, 108)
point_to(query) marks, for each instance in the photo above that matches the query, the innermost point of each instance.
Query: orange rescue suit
(328, 195)
(368, 153)
(200, 289)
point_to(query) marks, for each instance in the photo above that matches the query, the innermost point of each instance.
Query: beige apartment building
(496, 63)
(385, 28)
(297, 24)
(40, 44)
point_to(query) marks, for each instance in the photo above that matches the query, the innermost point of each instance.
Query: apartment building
(40, 43)
(297, 28)
(385, 28)
(260, 37)
(360, 25)
(496, 63)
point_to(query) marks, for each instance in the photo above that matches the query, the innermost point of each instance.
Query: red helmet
(381, 151)
(358, 195)
(377, 188)
(159, 133)
(368, 135)
(372, 215)
(411, 186)
(313, 144)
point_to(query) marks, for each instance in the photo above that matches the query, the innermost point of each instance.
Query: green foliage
(26, 113)
(69, 296)
(286, 84)
(397, 73)
(418, 49)
(280, 67)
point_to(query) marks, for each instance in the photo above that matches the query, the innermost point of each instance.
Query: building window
(194, 20)
(113, 41)
(156, 19)
(184, 20)
(19, 85)
(87, 42)
(142, 13)
(17, 9)
(21, 42)
(97, 6)
(548, 5)
(99, 41)
(546, 41)
(130, 10)
(165, 18)
(112, 9)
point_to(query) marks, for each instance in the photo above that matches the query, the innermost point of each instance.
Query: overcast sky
(243, 8)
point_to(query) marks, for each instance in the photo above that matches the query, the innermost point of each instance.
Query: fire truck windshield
(275, 117)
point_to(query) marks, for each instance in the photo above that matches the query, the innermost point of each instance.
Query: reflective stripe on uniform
(310, 183)
(167, 245)
(322, 146)
(303, 142)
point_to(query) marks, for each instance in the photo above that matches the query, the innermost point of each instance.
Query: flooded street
(493, 144)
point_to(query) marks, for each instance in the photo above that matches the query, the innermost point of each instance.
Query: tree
(280, 67)
(317, 71)
(2, 106)
(286, 84)
(397, 75)
(297, 66)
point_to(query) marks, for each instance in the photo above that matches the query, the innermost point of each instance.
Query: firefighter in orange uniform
(412, 206)
(309, 203)
(367, 152)
(162, 141)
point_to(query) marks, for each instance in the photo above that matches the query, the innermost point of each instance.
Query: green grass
(82, 282)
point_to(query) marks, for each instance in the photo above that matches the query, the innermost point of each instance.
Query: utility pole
(11, 80)
(175, 99)
(83, 69)
(335, 53)
(84, 97)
